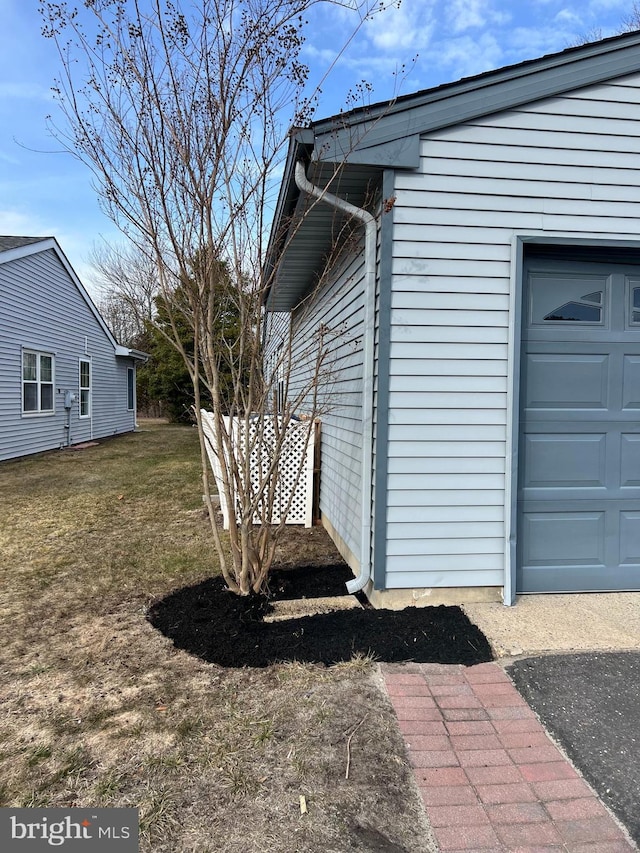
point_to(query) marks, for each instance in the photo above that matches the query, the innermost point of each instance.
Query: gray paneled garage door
(579, 466)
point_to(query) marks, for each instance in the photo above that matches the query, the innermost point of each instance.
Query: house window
(85, 388)
(37, 382)
(131, 389)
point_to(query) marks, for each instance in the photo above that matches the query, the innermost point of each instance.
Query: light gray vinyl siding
(42, 309)
(567, 166)
(338, 307)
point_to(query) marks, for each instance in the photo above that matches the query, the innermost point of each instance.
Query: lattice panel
(293, 488)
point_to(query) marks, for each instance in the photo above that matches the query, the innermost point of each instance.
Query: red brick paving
(490, 777)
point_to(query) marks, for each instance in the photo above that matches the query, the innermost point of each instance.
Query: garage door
(579, 454)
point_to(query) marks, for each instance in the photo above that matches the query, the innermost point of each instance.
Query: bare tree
(631, 21)
(182, 113)
(128, 285)
(587, 37)
(629, 24)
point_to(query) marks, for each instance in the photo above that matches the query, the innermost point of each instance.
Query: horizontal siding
(435, 302)
(474, 383)
(447, 333)
(528, 152)
(447, 530)
(442, 577)
(446, 349)
(428, 494)
(465, 466)
(483, 544)
(407, 371)
(445, 401)
(569, 166)
(409, 319)
(447, 452)
(454, 432)
(570, 177)
(431, 516)
(446, 563)
(416, 265)
(562, 196)
(42, 309)
(338, 306)
(539, 121)
(533, 144)
(414, 481)
(473, 207)
(471, 416)
(412, 248)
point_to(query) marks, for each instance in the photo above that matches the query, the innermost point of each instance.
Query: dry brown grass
(98, 709)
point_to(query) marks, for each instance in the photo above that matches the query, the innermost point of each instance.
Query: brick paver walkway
(490, 777)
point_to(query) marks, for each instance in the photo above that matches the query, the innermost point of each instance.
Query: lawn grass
(100, 710)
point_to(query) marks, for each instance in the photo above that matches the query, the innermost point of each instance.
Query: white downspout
(368, 333)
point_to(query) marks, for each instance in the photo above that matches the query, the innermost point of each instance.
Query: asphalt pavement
(590, 704)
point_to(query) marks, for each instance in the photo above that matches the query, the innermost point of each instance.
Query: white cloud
(466, 14)
(466, 56)
(475, 14)
(382, 53)
(608, 5)
(16, 223)
(402, 29)
(7, 158)
(568, 16)
(321, 54)
(531, 42)
(22, 90)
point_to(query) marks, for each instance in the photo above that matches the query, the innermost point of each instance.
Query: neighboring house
(483, 437)
(63, 377)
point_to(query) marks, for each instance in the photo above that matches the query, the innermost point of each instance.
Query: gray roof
(7, 243)
(382, 133)
(348, 153)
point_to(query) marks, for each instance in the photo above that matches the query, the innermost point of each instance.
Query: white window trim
(38, 413)
(88, 388)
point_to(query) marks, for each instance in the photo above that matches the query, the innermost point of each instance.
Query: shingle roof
(7, 243)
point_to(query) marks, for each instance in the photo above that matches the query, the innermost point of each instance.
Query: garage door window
(635, 305)
(567, 299)
(584, 310)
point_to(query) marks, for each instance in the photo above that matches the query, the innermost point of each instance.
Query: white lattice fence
(294, 473)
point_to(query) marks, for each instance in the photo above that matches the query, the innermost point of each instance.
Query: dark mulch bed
(212, 623)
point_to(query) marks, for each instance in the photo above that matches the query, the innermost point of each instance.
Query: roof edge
(442, 91)
(354, 137)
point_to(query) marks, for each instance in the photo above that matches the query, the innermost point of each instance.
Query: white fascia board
(126, 352)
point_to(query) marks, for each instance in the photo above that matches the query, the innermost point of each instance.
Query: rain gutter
(368, 331)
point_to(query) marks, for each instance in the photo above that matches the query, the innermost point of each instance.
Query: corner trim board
(385, 281)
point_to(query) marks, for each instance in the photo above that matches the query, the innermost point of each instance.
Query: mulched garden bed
(212, 623)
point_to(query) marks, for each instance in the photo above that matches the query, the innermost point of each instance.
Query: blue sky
(44, 192)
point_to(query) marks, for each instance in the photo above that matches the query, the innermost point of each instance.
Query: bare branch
(182, 113)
